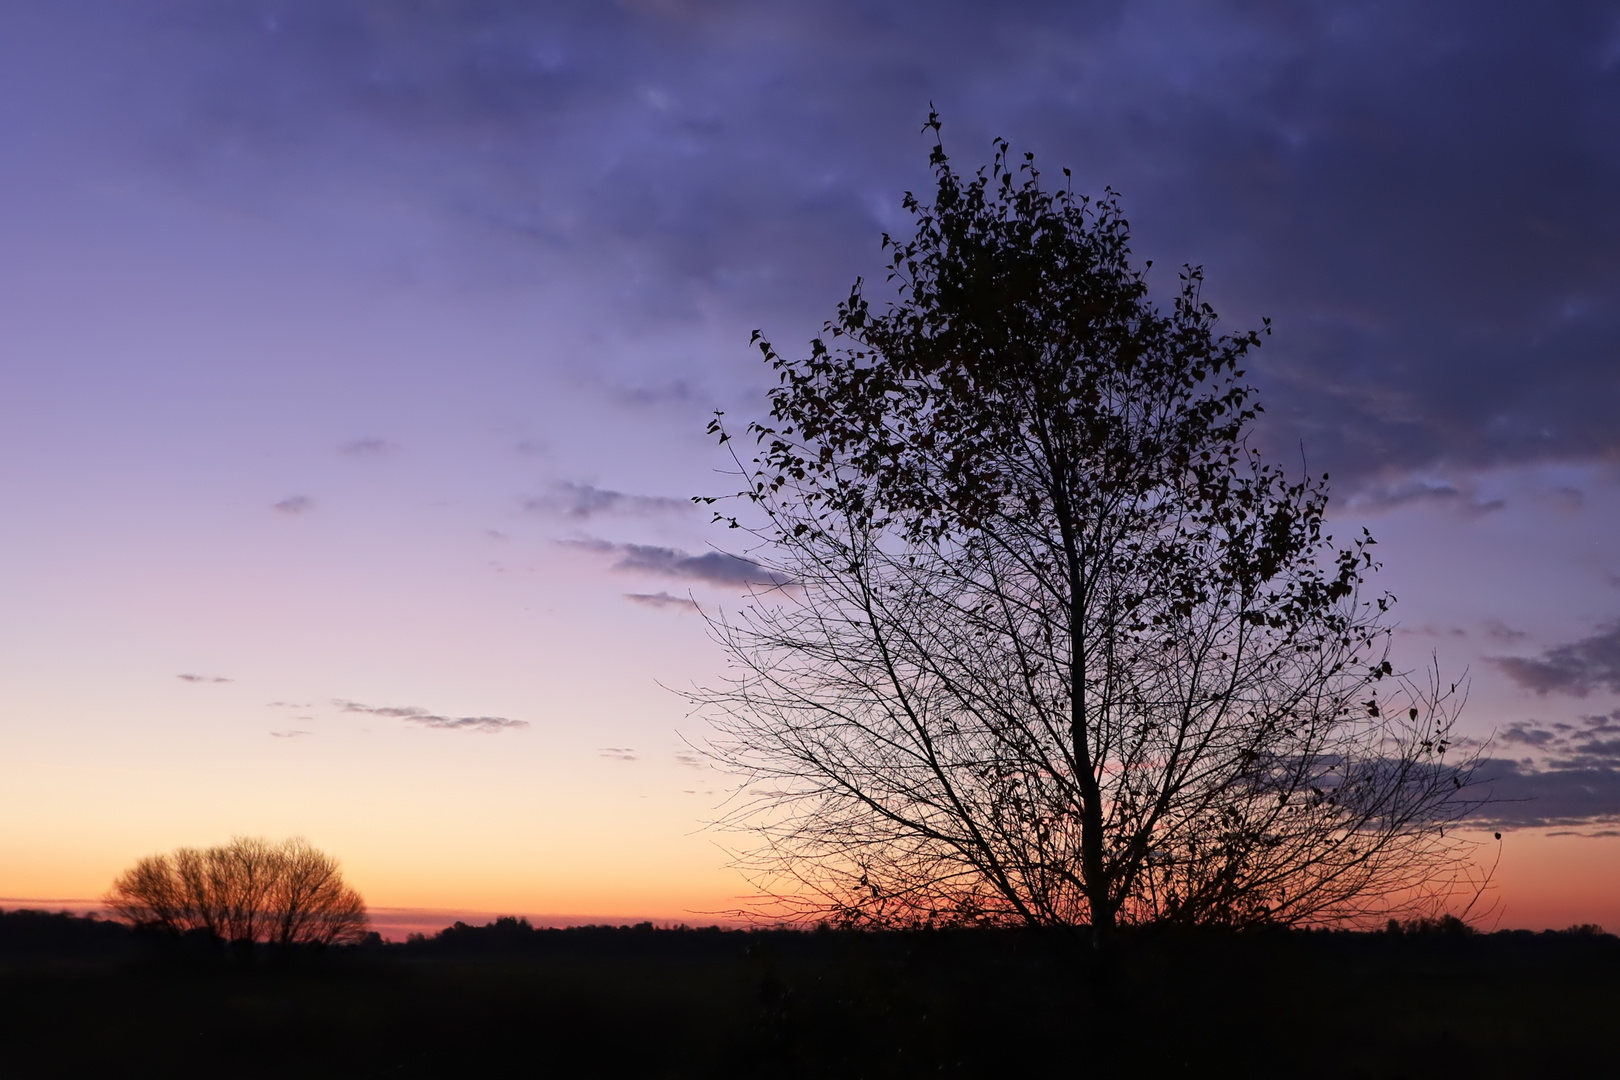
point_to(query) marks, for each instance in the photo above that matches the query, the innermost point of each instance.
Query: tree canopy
(249, 890)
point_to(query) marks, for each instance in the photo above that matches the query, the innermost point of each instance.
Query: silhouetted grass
(90, 998)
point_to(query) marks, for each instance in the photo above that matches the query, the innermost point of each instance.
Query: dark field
(82, 998)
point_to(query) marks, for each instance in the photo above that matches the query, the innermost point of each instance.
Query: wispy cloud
(364, 448)
(413, 715)
(203, 678)
(715, 567)
(583, 501)
(294, 504)
(617, 753)
(1497, 630)
(1464, 499)
(289, 734)
(1578, 668)
(662, 600)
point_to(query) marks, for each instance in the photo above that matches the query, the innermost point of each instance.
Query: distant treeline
(44, 934)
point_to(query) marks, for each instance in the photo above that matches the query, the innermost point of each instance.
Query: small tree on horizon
(250, 890)
(1060, 646)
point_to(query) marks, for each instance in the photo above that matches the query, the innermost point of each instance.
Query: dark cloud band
(1570, 774)
(1578, 668)
(1420, 195)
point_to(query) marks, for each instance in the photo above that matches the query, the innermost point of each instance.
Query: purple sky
(356, 356)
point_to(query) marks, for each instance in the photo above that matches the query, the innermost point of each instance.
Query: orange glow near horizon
(1544, 882)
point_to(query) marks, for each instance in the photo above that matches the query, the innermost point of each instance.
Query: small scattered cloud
(294, 504)
(413, 715)
(663, 600)
(617, 753)
(203, 678)
(583, 501)
(288, 705)
(1578, 668)
(690, 760)
(715, 567)
(367, 448)
(289, 734)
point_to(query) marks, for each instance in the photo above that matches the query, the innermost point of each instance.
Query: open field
(93, 999)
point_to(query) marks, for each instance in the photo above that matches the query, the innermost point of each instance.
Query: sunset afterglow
(356, 358)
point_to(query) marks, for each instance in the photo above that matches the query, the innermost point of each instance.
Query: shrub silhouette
(250, 890)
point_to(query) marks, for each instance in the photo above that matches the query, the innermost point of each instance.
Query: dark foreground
(80, 998)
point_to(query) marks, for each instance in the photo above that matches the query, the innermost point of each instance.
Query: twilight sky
(355, 357)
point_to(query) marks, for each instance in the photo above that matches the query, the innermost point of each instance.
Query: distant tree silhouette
(250, 890)
(1059, 646)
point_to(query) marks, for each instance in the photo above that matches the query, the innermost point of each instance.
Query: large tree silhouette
(1060, 646)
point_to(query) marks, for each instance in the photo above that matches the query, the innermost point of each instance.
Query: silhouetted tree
(249, 890)
(1060, 647)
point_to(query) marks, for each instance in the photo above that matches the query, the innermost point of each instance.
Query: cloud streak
(584, 501)
(413, 715)
(203, 678)
(663, 600)
(714, 567)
